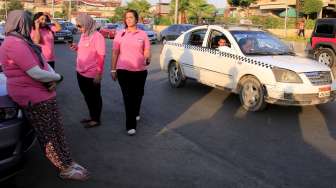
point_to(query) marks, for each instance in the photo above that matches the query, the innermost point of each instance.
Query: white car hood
(294, 63)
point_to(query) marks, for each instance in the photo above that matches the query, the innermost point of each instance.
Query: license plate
(324, 92)
(60, 38)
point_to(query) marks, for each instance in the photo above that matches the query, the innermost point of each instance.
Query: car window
(324, 28)
(217, 39)
(172, 28)
(260, 43)
(196, 38)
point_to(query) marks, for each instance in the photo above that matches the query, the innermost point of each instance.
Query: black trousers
(301, 31)
(92, 96)
(132, 86)
(52, 64)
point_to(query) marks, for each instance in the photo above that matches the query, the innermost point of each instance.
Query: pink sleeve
(101, 49)
(23, 56)
(116, 41)
(147, 43)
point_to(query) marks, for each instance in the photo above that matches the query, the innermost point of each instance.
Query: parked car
(173, 31)
(100, 22)
(16, 136)
(323, 41)
(254, 64)
(2, 33)
(109, 30)
(64, 35)
(69, 26)
(150, 33)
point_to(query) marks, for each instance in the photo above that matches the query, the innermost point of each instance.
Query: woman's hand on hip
(97, 79)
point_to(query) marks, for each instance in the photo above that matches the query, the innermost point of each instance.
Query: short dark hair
(135, 14)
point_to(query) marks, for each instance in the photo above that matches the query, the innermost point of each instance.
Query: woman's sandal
(75, 172)
(85, 120)
(91, 124)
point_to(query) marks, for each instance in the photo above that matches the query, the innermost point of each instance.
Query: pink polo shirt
(89, 50)
(131, 47)
(16, 58)
(46, 42)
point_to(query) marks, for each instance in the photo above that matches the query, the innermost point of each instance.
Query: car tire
(175, 75)
(252, 94)
(326, 56)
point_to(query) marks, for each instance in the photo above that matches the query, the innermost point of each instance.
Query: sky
(217, 3)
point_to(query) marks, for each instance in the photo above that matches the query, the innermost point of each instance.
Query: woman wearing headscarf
(43, 35)
(90, 67)
(131, 55)
(31, 83)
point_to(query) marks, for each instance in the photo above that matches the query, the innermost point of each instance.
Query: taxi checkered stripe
(223, 54)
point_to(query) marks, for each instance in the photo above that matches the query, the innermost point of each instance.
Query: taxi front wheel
(252, 95)
(175, 76)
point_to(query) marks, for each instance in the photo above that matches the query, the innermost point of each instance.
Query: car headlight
(8, 113)
(286, 76)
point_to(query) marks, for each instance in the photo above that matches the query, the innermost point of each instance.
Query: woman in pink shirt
(131, 55)
(31, 83)
(43, 35)
(90, 67)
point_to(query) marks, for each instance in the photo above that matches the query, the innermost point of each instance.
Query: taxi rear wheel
(175, 76)
(252, 95)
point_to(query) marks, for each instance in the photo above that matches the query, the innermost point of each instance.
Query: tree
(142, 7)
(65, 8)
(11, 5)
(241, 3)
(200, 9)
(182, 9)
(118, 14)
(311, 6)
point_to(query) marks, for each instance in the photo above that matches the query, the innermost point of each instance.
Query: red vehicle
(323, 42)
(109, 30)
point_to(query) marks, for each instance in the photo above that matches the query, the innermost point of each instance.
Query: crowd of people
(28, 61)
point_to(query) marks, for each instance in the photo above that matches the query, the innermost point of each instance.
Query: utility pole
(286, 18)
(6, 11)
(69, 16)
(53, 8)
(176, 11)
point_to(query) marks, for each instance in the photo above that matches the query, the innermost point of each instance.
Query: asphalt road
(193, 137)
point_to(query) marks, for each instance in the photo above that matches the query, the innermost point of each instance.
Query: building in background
(276, 7)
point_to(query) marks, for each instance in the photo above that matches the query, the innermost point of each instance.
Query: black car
(174, 31)
(69, 26)
(64, 35)
(16, 136)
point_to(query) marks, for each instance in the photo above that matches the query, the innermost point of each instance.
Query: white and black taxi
(252, 63)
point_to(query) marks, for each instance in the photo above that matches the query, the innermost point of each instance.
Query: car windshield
(187, 27)
(64, 27)
(143, 27)
(260, 43)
